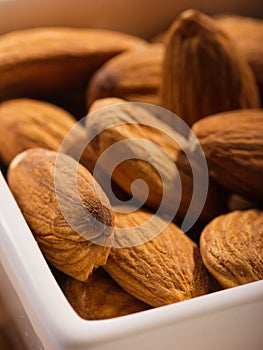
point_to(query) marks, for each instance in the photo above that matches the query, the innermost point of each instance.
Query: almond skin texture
(26, 123)
(70, 248)
(232, 247)
(42, 60)
(247, 33)
(105, 102)
(164, 270)
(145, 160)
(233, 145)
(203, 71)
(134, 76)
(100, 298)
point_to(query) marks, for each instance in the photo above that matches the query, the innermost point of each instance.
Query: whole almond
(64, 226)
(133, 75)
(233, 145)
(164, 270)
(203, 71)
(26, 123)
(247, 33)
(100, 298)
(232, 247)
(42, 60)
(147, 161)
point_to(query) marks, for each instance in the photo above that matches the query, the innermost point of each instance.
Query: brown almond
(143, 161)
(57, 198)
(164, 270)
(203, 71)
(101, 298)
(105, 102)
(237, 202)
(247, 33)
(232, 247)
(42, 60)
(233, 145)
(26, 123)
(133, 76)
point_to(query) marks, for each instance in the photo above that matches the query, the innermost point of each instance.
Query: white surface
(226, 320)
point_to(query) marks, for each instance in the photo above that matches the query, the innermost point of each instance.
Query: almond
(164, 270)
(100, 298)
(153, 162)
(237, 202)
(44, 198)
(105, 102)
(203, 71)
(247, 33)
(232, 247)
(42, 60)
(233, 145)
(134, 76)
(29, 123)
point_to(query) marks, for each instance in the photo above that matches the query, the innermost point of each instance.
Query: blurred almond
(237, 202)
(105, 102)
(233, 145)
(41, 60)
(134, 76)
(100, 298)
(247, 33)
(26, 123)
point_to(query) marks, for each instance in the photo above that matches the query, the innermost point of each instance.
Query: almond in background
(26, 123)
(233, 146)
(44, 60)
(247, 33)
(133, 75)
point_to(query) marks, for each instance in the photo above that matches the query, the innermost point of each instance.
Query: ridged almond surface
(232, 247)
(146, 161)
(233, 145)
(42, 60)
(105, 102)
(164, 270)
(100, 298)
(203, 70)
(64, 225)
(247, 34)
(133, 76)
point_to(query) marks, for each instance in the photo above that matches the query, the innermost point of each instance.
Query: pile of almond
(209, 72)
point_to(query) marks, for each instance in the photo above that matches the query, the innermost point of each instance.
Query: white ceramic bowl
(230, 319)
